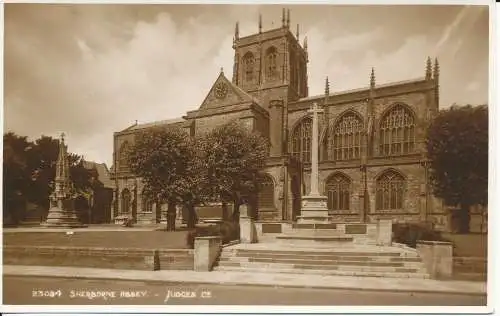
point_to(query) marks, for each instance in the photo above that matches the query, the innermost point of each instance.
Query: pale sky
(91, 70)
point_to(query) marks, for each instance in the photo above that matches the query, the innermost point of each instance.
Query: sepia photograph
(248, 155)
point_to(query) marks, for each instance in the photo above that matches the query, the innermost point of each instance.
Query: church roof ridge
(158, 123)
(384, 85)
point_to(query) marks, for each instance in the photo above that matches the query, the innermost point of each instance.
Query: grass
(106, 239)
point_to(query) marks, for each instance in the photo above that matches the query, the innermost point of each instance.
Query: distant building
(100, 203)
(372, 153)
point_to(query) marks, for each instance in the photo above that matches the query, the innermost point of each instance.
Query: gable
(224, 93)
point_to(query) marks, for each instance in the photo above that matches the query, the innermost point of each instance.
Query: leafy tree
(15, 175)
(457, 146)
(233, 157)
(166, 159)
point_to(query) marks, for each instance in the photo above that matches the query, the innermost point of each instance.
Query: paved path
(19, 290)
(263, 279)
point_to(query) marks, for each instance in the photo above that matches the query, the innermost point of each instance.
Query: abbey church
(372, 161)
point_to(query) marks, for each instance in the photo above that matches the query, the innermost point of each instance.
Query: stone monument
(314, 206)
(62, 213)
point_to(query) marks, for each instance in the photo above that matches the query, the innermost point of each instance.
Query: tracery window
(271, 68)
(147, 203)
(249, 65)
(266, 193)
(126, 201)
(397, 132)
(301, 140)
(344, 139)
(390, 191)
(338, 191)
(124, 155)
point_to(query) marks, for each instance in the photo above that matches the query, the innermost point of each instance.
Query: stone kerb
(437, 257)
(206, 252)
(248, 232)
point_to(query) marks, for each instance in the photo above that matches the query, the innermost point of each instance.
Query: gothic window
(301, 140)
(249, 65)
(124, 155)
(344, 139)
(126, 201)
(397, 132)
(271, 68)
(266, 193)
(147, 203)
(390, 190)
(338, 191)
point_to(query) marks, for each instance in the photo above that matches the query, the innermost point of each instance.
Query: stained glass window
(397, 132)
(338, 190)
(344, 139)
(301, 140)
(390, 191)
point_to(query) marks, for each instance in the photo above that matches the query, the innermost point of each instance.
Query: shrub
(410, 233)
(227, 231)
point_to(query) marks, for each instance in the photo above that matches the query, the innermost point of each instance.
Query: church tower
(271, 64)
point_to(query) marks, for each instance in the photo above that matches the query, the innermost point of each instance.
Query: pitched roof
(157, 123)
(103, 173)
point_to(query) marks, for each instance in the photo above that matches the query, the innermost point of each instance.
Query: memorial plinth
(314, 206)
(62, 213)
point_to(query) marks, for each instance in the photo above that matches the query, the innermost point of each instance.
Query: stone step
(347, 261)
(328, 252)
(273, 265)
(322, 262)
(324, 272)
(318, 256)
(316, 238)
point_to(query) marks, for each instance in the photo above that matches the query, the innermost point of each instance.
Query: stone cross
(315, 110)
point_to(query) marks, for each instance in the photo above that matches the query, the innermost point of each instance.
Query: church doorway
(126, 199)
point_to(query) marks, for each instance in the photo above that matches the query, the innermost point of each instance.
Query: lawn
(106, 239)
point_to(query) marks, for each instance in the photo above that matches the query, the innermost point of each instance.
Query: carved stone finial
(288, 19)
(237, 31)
(372, 78)
(327, 87)
(62, 137)
(436, 70)
(428, 69)
(283, 18)
(297, 32)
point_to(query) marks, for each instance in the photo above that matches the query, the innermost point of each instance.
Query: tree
(233, 158)
(457, 147)
(166, 159)
(15, 175)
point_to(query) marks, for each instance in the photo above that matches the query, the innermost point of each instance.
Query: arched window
(126, 201)
(338, 191)
(390, 191)
(301, 140)
(397, 132)
(147, 203)
(266, 193)
(271, 67)
(344, 139)
(249, 64)
(124, 155)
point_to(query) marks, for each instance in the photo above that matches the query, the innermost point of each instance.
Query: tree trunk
(464, 219)
(191, 219)
(236, 211)
(225, 211)
(171, 214)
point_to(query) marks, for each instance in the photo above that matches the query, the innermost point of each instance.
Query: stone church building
(372, 155)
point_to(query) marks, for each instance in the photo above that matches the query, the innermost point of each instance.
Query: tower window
(271, 67)
(249, 65)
